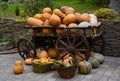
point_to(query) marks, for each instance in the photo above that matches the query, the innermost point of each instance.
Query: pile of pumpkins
(63, 17)
(83, 66)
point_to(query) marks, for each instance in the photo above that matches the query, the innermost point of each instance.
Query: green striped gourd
(94, 62)
(99, 57)
(84, 67)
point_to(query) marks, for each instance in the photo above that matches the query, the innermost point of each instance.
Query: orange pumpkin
(69, 10)
(63, 25)
(54, 20)
(45, 16)
(28, 61)
(60, 31)
(42, 54)
(46, 31)
(85, 17)
(72, 25)
(47, 10)
(38, 16)
(18, 67)
(52, 52)
(34, 22)
(59, 13)
(70, 18)
(78, 17)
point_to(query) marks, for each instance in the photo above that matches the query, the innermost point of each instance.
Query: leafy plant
(105, 13)
(35, 6)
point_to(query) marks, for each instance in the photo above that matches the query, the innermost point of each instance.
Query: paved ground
(109, 71)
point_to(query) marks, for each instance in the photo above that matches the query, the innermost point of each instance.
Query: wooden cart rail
(93, 29)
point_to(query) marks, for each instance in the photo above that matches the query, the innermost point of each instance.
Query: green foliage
(3, 6)
(22, 13)
(105, 13)
(35, 6)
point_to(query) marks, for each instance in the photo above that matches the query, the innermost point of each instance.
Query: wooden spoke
(63, 43)
(78, 44)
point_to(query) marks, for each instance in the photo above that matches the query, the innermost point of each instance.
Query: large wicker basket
(41, 68)
(66, 72)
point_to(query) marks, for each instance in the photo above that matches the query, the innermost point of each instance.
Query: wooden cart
(84, 40)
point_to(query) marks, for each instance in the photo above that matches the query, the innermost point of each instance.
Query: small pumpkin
(59, 13)
(28, 61)
(84, 67)
(34, 22)
(99, 57)
(70, 18)
(63, 8)
(72, 25)
(38, 16)
(54, 20)
(47, 10)
(46, 31)
(52, 52)
(94, 62)
(45, 16)
(60, 31)
(69, 10)
(42, 54)
(18, 67)
(85, 17)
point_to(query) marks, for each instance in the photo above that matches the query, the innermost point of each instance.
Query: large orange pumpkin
(59, 13)
(45, 16)
(70, 18)
(34, 22)
(47, 10)
(85, 17)
(54, 20)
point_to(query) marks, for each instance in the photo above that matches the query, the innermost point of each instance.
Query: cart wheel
(98, 43)
(26, 48)
(73, 42)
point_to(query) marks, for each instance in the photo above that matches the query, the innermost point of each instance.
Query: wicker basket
(41, 68)
(66, 72)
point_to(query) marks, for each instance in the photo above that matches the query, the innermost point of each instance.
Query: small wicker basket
(66, 72)
(41, 68)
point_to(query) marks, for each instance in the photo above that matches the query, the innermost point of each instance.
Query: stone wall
(111, 34)
(13, 31)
